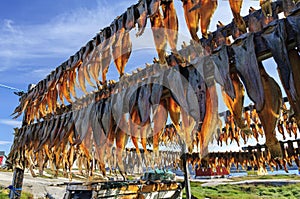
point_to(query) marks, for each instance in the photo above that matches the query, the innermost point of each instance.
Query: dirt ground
(38, 186)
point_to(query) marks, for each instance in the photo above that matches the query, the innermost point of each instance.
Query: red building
(1, 157)
(211, 173)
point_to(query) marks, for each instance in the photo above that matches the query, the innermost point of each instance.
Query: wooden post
(186, 171)
(17, 182)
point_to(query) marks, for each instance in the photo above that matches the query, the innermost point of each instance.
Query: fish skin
(174, 112)
(119, 31)
(121, 141)
(221, 39)
(153, 7)
(295, 62)
(254, 22)
(235, 105)
(95, 61)
(270, 112)
(81, 79)
(141, 18)
(294, 22)
(191, 18)
(106, 120)
(131, 97)
(65, 87)
(118, 110)
(72, 80)
(171, 23)
(96, 124)
(222, 71)
(246, 64)
(275, 40)
(159, 36)
(143, 102)
(130, 20)
(55, 128)
(195, 95)
(86, 72)
(85, 124)
(55, 136)
(87, 59)
(266, 7)
(288, 6)
(236, 7)
(156, 89)
(121, 48)
(206, 11)
(175, 84)
(159, 119)
(210, 120)
(106, 38)
(46, 134)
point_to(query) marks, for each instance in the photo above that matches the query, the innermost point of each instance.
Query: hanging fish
(270, 112)
(141, 17)
(86, 66)
(206, 10)
(93, 64)
(106, 37)
(65, 87)
(143, 102)
(222, 70)
(275, 38)
(236, 11)
(221, 39)
(287, 6)
(294, 22)
(153, 7)
(106, 112)
(255, 21)
(130, 19)
(170, 23)
(159, 36)
(246, 64)
(122, 46)
(191, 18)
(72, 80)
(211, 118)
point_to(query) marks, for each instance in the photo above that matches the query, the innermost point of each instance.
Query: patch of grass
(282, 176)
(4, 194)
(245, 191)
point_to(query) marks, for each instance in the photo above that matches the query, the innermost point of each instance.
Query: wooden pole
(17, 183)
(186, 171)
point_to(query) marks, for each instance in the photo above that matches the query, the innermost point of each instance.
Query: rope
(14, 190)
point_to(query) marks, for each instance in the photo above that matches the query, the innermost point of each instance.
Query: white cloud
(60, 37)
(4, 142)
(8, 122)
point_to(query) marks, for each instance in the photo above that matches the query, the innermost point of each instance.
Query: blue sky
(37, 36)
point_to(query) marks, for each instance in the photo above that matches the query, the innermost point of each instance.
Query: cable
(19, 91)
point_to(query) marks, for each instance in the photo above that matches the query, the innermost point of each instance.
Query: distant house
(2, 153)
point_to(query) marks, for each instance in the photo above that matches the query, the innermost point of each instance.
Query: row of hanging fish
(168, 159)
(193, 96)
(113, 43)
(286, 124)
(255, 157)
(262, 89)
(91, 61)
